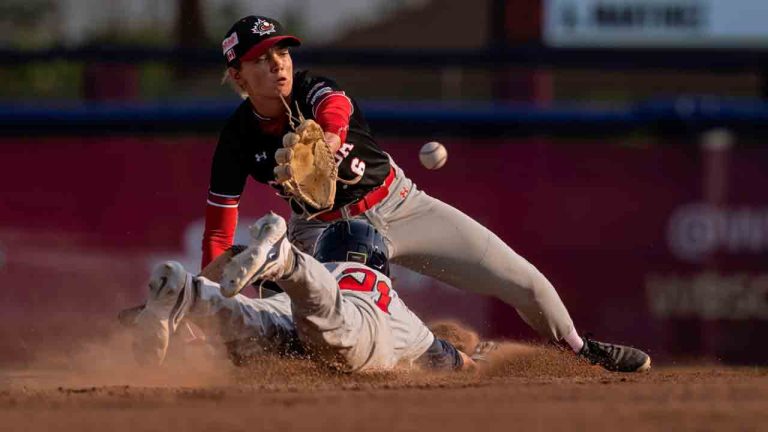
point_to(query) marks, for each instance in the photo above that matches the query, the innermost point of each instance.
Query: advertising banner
(656, 23)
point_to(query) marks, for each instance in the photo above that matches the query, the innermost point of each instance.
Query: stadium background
(616, 144)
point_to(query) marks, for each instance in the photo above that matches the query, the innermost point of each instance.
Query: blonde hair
(227, 80)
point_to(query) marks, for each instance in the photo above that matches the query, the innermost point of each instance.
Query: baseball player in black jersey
(423, 233)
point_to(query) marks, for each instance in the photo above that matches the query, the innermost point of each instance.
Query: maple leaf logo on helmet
(263, 27)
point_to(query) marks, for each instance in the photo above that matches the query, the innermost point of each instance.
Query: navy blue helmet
(353, 240)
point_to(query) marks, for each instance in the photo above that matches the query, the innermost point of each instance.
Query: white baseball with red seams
(433, 155)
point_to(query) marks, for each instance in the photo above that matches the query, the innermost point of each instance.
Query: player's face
(269, 75)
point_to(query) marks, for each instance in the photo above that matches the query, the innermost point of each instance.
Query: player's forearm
(213, 247)
(220, 224)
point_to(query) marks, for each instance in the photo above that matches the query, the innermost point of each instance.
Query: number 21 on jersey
(365, 280)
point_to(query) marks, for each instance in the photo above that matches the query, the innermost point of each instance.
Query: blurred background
(617, 144)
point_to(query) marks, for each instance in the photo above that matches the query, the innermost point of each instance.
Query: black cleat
(615, 358)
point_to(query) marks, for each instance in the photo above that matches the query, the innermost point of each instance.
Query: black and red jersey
(247, 148)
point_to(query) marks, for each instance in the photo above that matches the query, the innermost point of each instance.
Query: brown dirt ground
(523, 387)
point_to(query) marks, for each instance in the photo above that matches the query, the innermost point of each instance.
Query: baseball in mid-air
(433, 155)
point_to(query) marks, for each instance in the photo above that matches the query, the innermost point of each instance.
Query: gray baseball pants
(344, 329)
(434, 239)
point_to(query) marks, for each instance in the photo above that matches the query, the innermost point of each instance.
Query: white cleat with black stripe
(171, 294)
(268, 257)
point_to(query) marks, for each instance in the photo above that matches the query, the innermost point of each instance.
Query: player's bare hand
(283, 173)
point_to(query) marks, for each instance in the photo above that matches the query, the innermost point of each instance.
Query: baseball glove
(306, 166)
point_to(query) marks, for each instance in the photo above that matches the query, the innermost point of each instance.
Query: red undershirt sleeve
(220, 224)
(332, 113)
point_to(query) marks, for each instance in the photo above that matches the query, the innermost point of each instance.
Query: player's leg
(176, 295)
(413, 342)
(349, 332)
(265, 322)
(435, 239)
(346, 331)
(440, 241)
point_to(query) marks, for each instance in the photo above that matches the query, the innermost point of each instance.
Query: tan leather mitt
(306, 166)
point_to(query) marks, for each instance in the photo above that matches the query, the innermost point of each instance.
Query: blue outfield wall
(684, 113)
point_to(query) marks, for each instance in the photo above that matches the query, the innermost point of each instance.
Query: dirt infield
(522, 387)
(525, 388)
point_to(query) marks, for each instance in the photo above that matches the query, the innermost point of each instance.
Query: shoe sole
(260, 240)
(271, 258)
(645, 366)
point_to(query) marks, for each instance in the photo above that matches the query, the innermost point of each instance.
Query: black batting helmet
(353, 240)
